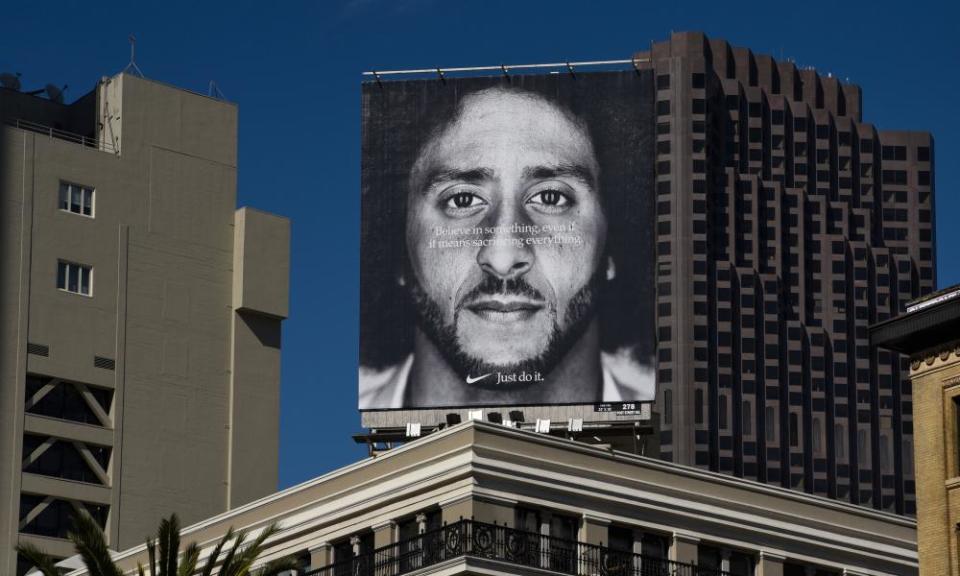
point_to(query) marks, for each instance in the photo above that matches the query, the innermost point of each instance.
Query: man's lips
(504, 310)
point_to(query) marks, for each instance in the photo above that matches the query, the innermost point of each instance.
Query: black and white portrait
(507, 241)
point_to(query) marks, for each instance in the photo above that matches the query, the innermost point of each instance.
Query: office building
(141, 315)
(929, 332)
(786, 224)
(483, 498)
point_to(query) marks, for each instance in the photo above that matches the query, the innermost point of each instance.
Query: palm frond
(215, 554)
(89, 541)
(250, 553)
(188, 563)
(226, 568)
(168, 537)
(275, 567)
(152, 556)
(42, 561)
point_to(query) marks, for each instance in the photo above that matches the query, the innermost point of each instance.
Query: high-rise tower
(786, 226)
(141, 315)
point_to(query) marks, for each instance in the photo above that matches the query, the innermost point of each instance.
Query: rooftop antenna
(214, 91)
(11, 81)
(132, 66)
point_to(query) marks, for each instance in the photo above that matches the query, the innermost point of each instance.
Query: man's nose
(506, 254)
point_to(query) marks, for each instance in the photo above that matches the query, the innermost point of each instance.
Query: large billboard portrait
(507, 241)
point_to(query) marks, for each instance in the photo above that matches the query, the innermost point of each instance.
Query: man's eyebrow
(444, 174)
(578, 171)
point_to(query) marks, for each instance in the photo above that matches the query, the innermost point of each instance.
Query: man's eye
(550, 198)
(461, 201)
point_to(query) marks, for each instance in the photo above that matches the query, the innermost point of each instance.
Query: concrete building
(929, 332)
(482, 498)
(141, 315)
(786, 226)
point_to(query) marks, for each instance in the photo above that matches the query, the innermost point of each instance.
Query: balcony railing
(469, 538)
(86, 141)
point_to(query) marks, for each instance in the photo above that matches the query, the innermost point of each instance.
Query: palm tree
(163, 554)
(42, 561)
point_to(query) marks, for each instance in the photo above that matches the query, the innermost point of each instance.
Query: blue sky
(294, 69)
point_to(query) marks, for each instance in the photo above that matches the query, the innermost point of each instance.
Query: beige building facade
(140, 314)
(484, 498)
(930, 333)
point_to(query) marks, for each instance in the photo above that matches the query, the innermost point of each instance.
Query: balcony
(85, 141)
(469, 539)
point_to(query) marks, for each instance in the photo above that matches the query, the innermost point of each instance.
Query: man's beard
(579, 312)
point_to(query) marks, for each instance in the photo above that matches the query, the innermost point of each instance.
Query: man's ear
(611, 269)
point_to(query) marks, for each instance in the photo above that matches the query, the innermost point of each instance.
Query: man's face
(512, 181)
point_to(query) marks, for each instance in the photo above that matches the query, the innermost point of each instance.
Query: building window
(770, 424)
(747, 419)
(668, 407)
(817, 438)
(77, 199)
(722, 412)
(956, 435)
(76, 278)
(839, 436)
(698, 406)
(794, 430)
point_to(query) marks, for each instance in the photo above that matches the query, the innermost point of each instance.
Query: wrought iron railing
(469, 538)
(87, 141)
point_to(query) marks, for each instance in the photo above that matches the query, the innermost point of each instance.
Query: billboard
(507, 243)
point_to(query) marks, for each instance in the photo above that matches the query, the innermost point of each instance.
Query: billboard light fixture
(501, 67)
(475, 415)
(575, 425)
(413, 429)
(543, 426)
(453, 418)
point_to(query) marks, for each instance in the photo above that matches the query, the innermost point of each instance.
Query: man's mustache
(494, 286)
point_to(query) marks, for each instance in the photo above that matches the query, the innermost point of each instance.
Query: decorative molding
(767, 555)
(456, 500)
(929, 357)
(491, 499)
(382, 525)
(596, 520)
(685, 537)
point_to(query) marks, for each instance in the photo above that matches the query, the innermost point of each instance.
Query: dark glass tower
(786, 226)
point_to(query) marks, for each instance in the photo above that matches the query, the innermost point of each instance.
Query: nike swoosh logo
(471, 379)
